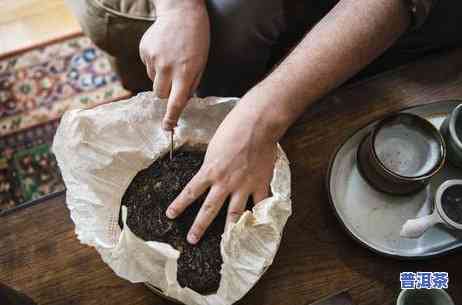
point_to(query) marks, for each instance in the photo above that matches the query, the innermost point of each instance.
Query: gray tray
(375, 219)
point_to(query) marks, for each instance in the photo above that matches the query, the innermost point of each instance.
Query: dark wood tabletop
(40, 255)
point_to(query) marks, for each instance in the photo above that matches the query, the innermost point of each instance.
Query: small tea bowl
(401, 154)
(424, 296)
(452, 133)
(447, 211)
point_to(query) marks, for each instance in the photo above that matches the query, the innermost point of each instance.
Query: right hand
(175, 51)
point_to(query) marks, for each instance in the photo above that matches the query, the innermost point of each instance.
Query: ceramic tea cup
(447, 210)
(452, 133)
(401, 154)
(424, 297)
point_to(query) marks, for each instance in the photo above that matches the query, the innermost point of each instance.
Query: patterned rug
(36, 87)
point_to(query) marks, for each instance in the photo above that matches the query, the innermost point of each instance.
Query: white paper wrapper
(99, 152)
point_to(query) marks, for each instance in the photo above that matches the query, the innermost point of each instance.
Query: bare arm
(240, 157)
(347, 39)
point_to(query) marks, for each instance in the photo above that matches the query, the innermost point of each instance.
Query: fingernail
(166, 127)
(192, 238)
(170, 214)
(168, 124)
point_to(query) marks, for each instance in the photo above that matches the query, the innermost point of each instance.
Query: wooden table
(40, 254)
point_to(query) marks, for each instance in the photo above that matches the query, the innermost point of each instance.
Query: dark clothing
(249, 36)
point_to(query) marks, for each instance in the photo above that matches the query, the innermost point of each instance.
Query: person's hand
(238, 164)
(175, 51)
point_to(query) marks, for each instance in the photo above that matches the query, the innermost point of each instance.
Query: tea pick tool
(171, 144)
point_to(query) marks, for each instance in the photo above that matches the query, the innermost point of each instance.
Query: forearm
(342, 43)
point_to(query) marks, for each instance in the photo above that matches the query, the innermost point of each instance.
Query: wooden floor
(25, 23)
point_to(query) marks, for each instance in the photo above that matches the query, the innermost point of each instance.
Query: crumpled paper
(99, 152)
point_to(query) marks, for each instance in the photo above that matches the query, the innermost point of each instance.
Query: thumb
(177, 101)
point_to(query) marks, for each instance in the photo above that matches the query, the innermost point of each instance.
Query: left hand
(238, 164)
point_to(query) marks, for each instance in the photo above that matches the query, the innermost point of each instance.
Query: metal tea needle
(171, 145)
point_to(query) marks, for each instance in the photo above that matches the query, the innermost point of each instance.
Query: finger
(260, 194)
(142, 50)
(162, 84)
(236, 207)
(177, 101)
(209, 210)
(150, 69)
(141, 55)
(196, 83)
(196, 187)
